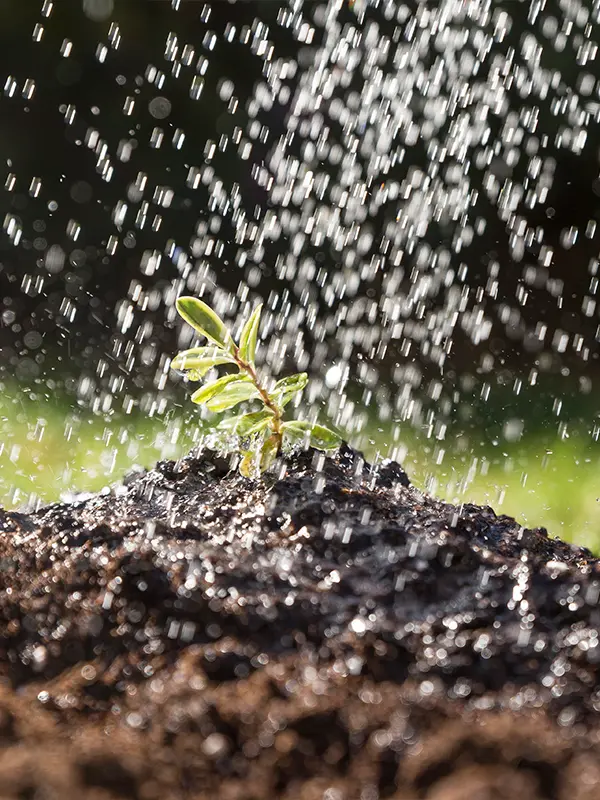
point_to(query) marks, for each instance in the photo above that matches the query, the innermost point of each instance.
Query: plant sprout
(263, 432)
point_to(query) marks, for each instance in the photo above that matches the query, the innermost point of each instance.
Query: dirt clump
(327, 632)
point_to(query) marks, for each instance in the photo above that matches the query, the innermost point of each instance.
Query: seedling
(263, 433)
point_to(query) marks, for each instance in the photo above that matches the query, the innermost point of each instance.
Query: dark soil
(331, 633)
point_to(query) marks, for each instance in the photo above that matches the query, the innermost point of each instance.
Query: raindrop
(81, 192)
(225, 90)
(178, 139)
(28, 88)
(55, 259)
(66, 48)
(32, 340)
(114, 35)
(156, 137)
(73, 229)
(111, 245)
(159, 107)
(513, 430)
(98, 10)
(10, 86)
(101, 53)
(35, 187)
(129, 106)
(150, 262)
(196, 87)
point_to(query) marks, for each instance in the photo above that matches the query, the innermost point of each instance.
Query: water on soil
(328, 631)
(410, 189)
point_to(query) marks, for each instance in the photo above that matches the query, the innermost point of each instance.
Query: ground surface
(329, 633)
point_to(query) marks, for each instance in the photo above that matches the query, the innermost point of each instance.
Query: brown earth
(329, 632)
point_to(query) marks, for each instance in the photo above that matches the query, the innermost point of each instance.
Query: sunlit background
(411, 189)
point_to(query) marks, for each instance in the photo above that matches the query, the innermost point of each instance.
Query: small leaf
(201, 317)
(187, 358)
(292, 382)
(286, 388)
(210, 390)
(268, 453)
(295, 431)
(232, 395)
(259, 427)
(319, 436)
(324, 439)
(248, 464)
(202, 368)
(247, 424)
(249, 336)
(199, 360)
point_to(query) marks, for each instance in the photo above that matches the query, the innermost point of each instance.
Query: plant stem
(277, 417)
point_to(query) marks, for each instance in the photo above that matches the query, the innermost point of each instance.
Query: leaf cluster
(262, 433)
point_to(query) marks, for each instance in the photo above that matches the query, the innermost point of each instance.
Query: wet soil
(328, 632)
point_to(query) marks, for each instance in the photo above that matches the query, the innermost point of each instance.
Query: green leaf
(295, 432)
(268, 453)
(259, 427)
(199, 360)
(324, 439)
(286, 388)
(293, 383)
(232, 395)
(247, 424)
(249, 336)
(201, 317)
(260, 459)
(186, 359)
(248, 464)
(319, 436)
(210, 390)
(203, 367)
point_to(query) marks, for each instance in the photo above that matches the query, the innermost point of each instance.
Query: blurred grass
(48, 447)
(542, 482)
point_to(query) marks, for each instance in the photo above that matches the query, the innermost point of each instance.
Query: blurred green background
(541, 470)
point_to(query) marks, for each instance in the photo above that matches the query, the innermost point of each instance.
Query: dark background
(74, 306)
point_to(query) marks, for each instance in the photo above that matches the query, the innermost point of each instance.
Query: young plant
(263, 432)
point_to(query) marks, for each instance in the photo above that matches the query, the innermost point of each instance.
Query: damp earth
(326, 632)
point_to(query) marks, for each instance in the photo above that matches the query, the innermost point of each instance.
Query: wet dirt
(327, 632)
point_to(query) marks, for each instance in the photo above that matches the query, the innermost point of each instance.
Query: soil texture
(328, 632)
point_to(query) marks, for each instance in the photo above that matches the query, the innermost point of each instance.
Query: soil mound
(327, 632)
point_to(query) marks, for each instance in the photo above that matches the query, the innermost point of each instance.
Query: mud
(329, 632)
